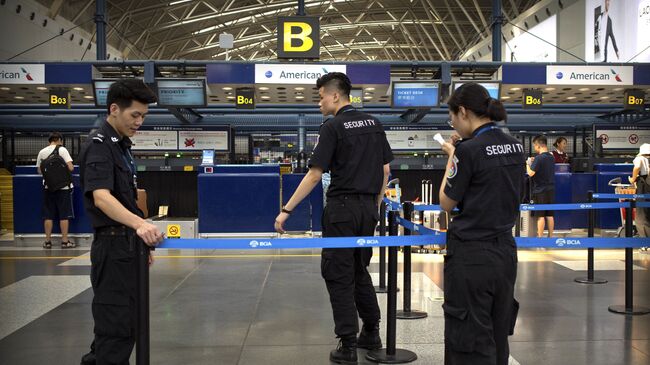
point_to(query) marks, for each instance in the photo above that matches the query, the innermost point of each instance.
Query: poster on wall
(198, 140)
(155, 140)
(623, 137)
(528, 47)
(617, 30)
(405, 138)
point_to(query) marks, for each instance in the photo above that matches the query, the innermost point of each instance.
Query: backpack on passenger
(55, 171)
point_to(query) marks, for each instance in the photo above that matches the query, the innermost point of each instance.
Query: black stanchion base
(590, 281)
(635, 310)
(401, 356)
(412, 314)
(380, 290)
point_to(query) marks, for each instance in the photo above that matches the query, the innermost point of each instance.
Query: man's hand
(632, 180)
(279, 222)
(149, 234)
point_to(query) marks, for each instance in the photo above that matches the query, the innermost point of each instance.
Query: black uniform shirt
(107, 163)
(486, 179)
(354, 148)
(544, 178)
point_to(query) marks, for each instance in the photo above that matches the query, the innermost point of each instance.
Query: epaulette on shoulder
(98, 138)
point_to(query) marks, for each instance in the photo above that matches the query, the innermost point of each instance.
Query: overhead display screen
(415, 94)
(493, 88)
(184, 93)
(100, 90)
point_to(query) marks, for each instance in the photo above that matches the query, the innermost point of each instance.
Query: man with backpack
(55, 164)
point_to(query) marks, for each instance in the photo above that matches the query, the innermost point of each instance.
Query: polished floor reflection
(271, 307)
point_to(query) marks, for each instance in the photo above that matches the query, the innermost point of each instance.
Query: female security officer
(484, 179)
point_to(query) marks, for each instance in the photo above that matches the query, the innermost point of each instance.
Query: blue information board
(414, 94)
(181, 92)
(493, 88)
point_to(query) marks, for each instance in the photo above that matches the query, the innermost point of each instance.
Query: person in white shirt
(59, 202)
(640, 178)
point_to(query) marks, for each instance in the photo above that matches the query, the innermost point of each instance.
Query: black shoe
(369, 338)
(88, 359)
(346, 351)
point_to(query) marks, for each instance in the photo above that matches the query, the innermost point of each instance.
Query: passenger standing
(354, 148)
(484, 179)
(57, 200)
(108, 178)
(640, 178)
(541, 170)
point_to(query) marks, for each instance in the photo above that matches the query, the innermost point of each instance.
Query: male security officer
(354, 148)
(108, 178)
(484, 180)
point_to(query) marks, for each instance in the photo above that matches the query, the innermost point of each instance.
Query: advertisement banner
(617, 30)
(22, 74)
(590, 75)
(528, 47)
(203, 140)
(623, 137)
(293, 74)
(416, 139)
(155, 140)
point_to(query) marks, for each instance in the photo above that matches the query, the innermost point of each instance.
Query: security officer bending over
(354, 148)
(484, 179)
(108, 178)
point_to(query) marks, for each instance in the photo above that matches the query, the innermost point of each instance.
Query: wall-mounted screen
(415, 94)
(184, 93)
(493, 88)
(100, 90)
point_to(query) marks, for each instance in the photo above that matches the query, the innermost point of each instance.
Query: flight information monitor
(415, 94)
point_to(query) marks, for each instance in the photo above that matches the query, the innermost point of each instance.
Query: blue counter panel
(563, 219)
(316, 200)
(580, 185)
(614, 167)
(610, 218)
(28, 201)
(247, 169)
(238, 203)
(300, 219)
(31, 170)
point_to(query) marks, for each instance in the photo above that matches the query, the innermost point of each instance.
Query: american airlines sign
(590, 75)
(22, 74)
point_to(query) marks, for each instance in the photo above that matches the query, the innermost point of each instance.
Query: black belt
(355, 197)
(112, 231)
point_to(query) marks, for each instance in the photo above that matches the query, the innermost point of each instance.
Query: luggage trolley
(621, 188)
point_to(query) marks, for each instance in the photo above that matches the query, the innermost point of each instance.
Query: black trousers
(113, 278)
(480, 309)
(642, 220)
(345, 270)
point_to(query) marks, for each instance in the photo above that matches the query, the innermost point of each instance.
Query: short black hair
(55, 136)
(338, 80)
(476, 98)
(123, 91)
(540, 140)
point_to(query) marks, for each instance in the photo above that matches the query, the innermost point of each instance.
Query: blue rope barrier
(425, 237)
(643, 204)
(392, 205)
(422, 208)
(621, 196)
(582, 242)
(291, 243)
(580, 206)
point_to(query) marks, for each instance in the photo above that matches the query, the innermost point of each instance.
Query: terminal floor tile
(272, 307)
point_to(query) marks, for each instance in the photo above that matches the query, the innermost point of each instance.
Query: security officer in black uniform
(484, 179)
(354, 148)
(108, 178)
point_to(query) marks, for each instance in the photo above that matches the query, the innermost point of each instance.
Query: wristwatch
(286, 211)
